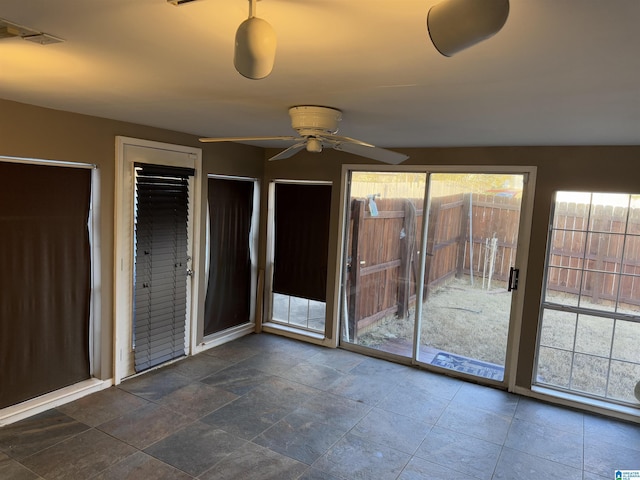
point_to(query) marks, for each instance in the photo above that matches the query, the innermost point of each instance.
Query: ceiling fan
(317, 128)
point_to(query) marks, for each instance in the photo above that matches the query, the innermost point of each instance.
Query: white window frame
(280, 328)
(237, 331)
(70, 393)
(569, 396)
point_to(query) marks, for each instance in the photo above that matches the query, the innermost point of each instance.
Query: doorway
(157, 212)
(431, 267)
(161, 263)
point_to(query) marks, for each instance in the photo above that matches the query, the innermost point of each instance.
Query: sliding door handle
(514, 273)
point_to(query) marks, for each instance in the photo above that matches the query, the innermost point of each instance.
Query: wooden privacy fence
(384, 248)
(595, 252)
(591, 254)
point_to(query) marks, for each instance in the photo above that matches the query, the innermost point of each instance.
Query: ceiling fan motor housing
(312, 120)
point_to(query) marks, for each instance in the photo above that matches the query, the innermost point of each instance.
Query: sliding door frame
(521, 261)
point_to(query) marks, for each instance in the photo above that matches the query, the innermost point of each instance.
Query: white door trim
(129, 151)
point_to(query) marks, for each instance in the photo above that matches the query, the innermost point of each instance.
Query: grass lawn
(581, 353)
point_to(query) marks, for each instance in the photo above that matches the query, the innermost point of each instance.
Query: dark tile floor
(266, 407)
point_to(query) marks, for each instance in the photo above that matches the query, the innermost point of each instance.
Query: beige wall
(604, 169)
(34, 132)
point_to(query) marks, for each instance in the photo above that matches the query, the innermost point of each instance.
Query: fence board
(384, 263)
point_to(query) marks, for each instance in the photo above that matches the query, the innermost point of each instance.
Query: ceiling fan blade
(246, 139)
(289, 152)
(339, 139)
(375, 153)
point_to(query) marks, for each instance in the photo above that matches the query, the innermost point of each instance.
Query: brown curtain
(45, 269)
(301, 240)
(228, 301)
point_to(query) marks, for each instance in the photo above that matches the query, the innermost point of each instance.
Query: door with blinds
(161, 264)
(157, 212)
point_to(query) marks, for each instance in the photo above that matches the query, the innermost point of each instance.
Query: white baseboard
(224, 337)
(50, 400)
(578, 402)
(289, 331)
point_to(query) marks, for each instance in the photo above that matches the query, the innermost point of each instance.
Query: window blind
(160, 271)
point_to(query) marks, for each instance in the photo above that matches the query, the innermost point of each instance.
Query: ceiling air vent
(177, 3)
(43, 38)
(11, 30)
(7, 31)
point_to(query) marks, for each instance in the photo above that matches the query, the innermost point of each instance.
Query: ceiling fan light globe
(255, 48)
(454, 25)
(314, 145)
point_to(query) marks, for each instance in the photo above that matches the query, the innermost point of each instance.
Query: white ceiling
(561, 72)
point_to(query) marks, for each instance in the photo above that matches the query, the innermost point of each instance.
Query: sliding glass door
(435, 288)
(382, 251)
(472, 238)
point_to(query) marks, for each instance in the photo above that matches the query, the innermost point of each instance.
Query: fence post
(464, 233)
(492, 259)
(601, 223)
(432, 228)
(357, 215)
(407, 246)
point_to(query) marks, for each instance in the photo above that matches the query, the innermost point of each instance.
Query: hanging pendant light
(255, 47)
(454, 25)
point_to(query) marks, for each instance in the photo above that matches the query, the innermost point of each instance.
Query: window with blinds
(160, 265)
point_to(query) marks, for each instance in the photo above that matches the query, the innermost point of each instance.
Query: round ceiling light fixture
(454, 25)
(255, 47)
